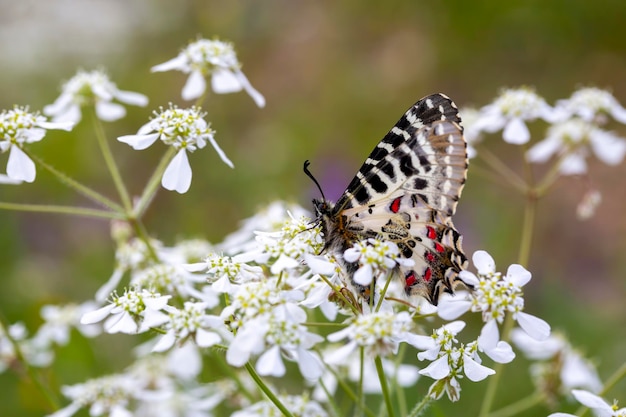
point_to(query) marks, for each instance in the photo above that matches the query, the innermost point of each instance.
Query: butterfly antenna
(308, 173)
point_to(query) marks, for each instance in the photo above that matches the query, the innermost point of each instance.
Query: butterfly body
(406, 192)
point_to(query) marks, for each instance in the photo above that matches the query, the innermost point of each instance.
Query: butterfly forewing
(406, 192)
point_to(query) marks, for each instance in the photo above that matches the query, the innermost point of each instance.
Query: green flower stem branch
(267, 391)
(76, 211)
(383, 384)
(80, 188)
(110, 161)
(520, 406)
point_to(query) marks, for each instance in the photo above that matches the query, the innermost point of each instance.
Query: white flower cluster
(19, 127)
(575, 126)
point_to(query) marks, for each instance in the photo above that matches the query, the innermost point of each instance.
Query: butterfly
(406, 192)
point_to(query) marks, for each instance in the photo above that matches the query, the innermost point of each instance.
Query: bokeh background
(336, 76)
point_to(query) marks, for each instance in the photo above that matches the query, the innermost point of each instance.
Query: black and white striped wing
(407, 191)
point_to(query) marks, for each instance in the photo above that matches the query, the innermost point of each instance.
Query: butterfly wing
(407, 191)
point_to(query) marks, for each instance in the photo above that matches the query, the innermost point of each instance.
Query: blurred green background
(336, 76)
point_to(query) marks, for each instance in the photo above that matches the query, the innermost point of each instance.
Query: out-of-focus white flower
(597, 404)
(588, 205)
(226, 271)
(135, 311)
(58, 321)
(590, 104)
(510, 111)
(557, 357)
(92, 88)
(471, 130)
(185, 130)
(109, 395)
(299, 405)
(19, 127)
(214, 58)
(572, 140)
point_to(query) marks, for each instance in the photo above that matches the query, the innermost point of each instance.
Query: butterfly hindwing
(406, 192)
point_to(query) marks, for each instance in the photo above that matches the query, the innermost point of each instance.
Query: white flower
(375, 257)
(573, 140)
(185, 130)
(58, 321)
(189, 322)
(135, 311)
(471, 131)
(591, 103)
(92, 89)
(558, 358)
(224, 271)
(107, 395)
(380, 333)
(494, 295)
(213, 58)
(510, 111)
(588, 205)
(601, 407)
(19, 127)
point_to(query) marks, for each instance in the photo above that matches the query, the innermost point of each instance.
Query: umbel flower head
(17, 128)
(92, 88)
(185, 130)
(214, 58)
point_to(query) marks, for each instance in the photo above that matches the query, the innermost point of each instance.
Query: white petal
(108, 287)
(609, 148)
(518, 275)
(351, 254)
(438, 369)
(271, 363)
(131, 97)
(67, 126)
(20, 166)
(282, 263)
(205, 338)
(618, 112)
(534, 349)
(252, 92)
(309, 364)
(156, 303)
(573, 164)
(489, 335)
(468, 278)
(363, 275)
(177, 175)
(421, 342)
(96, 316)
(68, 411)
(5, 179)
(502, 353)
(71, 114)
(109, 112)
(194, 87)
(341, 355)
(451, 307)
(542, 151)
(220, 152)
(59, 106)
(483, 262)
(475, 372)
(562, 415)
(121, 323)
(185, 361)
(591, 400)
(224, 81)
(516, 132)
(536, 328)
(139, 142)
(319, 264)
(177, 63)
(165, 342)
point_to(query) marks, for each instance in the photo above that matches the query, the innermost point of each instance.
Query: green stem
(528, 227)
(383, 384)
(350, 393)
(110, 161)
(153, 183)
(33, 374)
(141, 233)
(492, 385)
(267, 391)
(519, 406)
(420, 406)
(80, 188)
(77, 211)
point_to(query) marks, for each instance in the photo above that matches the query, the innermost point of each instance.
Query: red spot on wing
(430, 257)
(430, 232)
(395, 205)
(410, 279)
(439, 248)
(428, 274)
